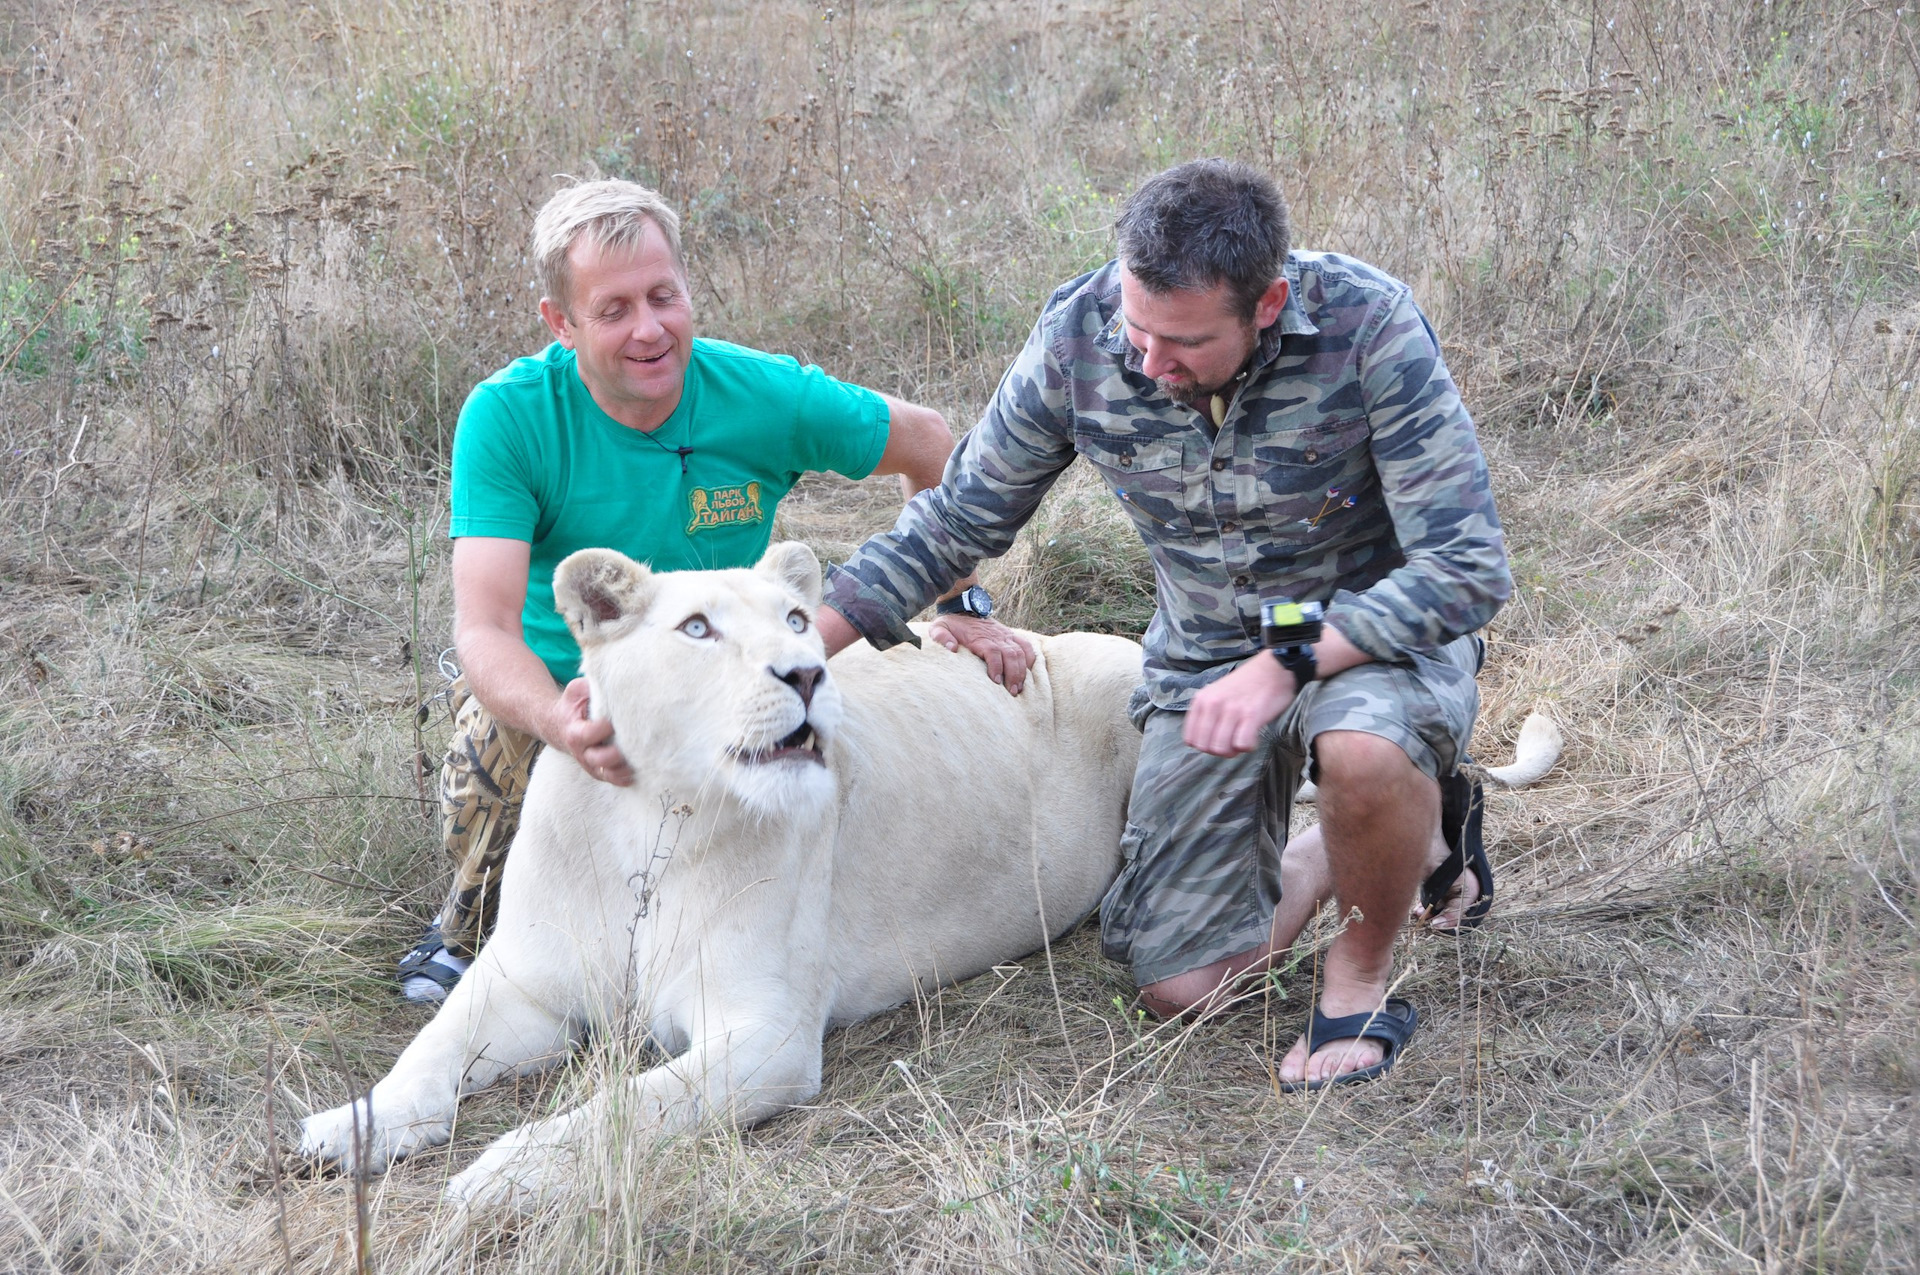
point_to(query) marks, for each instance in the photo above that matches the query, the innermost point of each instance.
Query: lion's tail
(1533, 753)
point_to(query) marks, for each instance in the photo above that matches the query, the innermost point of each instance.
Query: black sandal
(419, 963)
(1392, 1024)
(1462, 802)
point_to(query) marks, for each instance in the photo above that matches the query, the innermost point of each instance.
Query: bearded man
(1279, 426)
(628, 432)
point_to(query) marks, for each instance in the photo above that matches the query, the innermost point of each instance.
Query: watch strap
(1299, 661)
(964, 603)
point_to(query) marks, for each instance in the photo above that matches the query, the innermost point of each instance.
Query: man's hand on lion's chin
(1005, 653)
(588, 740)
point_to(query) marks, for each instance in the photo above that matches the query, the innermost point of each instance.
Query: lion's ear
(598, 590)
(792, 565)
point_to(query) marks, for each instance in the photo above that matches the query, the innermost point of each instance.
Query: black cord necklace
(681, 452)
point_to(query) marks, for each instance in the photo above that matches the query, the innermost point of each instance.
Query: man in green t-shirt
(630, 433)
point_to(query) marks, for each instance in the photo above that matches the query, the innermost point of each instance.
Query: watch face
(977, 601)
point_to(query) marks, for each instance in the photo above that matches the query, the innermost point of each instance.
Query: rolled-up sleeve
(1435, 482)
(994, 481)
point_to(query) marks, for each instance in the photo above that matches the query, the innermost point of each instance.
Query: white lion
(802, 846)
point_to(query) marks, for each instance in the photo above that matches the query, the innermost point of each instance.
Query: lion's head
(710, 675)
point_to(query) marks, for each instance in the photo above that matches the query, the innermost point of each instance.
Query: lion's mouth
(801, 745)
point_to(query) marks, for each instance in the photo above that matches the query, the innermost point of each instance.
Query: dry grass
(251, 258)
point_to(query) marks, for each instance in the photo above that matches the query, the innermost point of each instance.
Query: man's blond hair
(611, 214)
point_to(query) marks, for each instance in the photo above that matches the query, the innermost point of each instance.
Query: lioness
(802, 846)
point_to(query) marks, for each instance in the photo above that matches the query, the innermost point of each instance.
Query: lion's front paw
(330, 1137)
(515, 1171)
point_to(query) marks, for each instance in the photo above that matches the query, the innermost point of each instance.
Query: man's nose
(647, 327)
(1153, 361)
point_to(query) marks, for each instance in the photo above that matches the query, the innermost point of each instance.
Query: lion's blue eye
(696, 626)
(797, 621)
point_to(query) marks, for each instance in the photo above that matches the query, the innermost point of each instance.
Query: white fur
(1534, 753)
(734, 911)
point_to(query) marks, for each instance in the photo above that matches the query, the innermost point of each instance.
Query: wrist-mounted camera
(1289, 630)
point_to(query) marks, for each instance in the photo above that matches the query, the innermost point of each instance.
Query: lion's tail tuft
(1534, 753)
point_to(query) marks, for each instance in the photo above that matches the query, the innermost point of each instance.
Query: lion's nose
(802, 680)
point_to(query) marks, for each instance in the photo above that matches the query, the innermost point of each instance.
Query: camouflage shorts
(1201, 875)
(482, 782)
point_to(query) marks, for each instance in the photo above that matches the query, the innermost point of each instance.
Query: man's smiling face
(629, 322)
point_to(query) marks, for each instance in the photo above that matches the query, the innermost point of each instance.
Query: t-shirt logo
(724, 506)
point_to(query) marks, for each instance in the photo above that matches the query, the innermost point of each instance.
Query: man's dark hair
(1205, 222)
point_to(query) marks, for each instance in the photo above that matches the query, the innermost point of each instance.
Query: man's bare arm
(489, 591)
(835, 632)
(918, 444)
(1226, 717)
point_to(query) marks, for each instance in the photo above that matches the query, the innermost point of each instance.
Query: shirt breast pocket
(1148, 475)
(1310, 476)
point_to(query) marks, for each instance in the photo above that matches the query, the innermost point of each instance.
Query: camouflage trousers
(482, 782)
(1201, 870)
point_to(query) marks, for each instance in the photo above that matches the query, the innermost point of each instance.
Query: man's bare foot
(1343, 992)
(1460, 895)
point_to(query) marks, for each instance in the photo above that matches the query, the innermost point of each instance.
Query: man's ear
(601, 593)
(1271, 302)
(792, 565)
(557, 322)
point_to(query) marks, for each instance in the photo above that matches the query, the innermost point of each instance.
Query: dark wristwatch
(972, 600)
(1289, 630)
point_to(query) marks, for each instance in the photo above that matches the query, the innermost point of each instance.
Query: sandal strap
(419, 963)
(1392, 1024)
(1462, 807)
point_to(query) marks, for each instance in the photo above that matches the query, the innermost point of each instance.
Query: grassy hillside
(253, 256)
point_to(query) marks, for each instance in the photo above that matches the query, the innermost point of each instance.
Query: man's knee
(1198, 989)
(1359, 761)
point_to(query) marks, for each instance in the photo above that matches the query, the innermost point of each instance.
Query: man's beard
(1189, 393)
(1195, 395)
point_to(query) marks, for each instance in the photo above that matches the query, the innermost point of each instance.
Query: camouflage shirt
(1345, 471)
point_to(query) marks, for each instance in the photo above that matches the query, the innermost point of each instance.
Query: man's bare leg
(1306, 884)
(1379, 815)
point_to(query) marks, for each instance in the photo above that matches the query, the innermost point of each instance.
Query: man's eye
(797, 621)
(696, 626)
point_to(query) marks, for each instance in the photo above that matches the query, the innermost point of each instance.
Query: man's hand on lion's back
(1006, 654)
(589, 740)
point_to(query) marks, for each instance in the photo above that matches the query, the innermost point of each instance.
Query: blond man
(627, 432)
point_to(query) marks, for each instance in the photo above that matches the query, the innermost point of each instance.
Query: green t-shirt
(535, 459)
